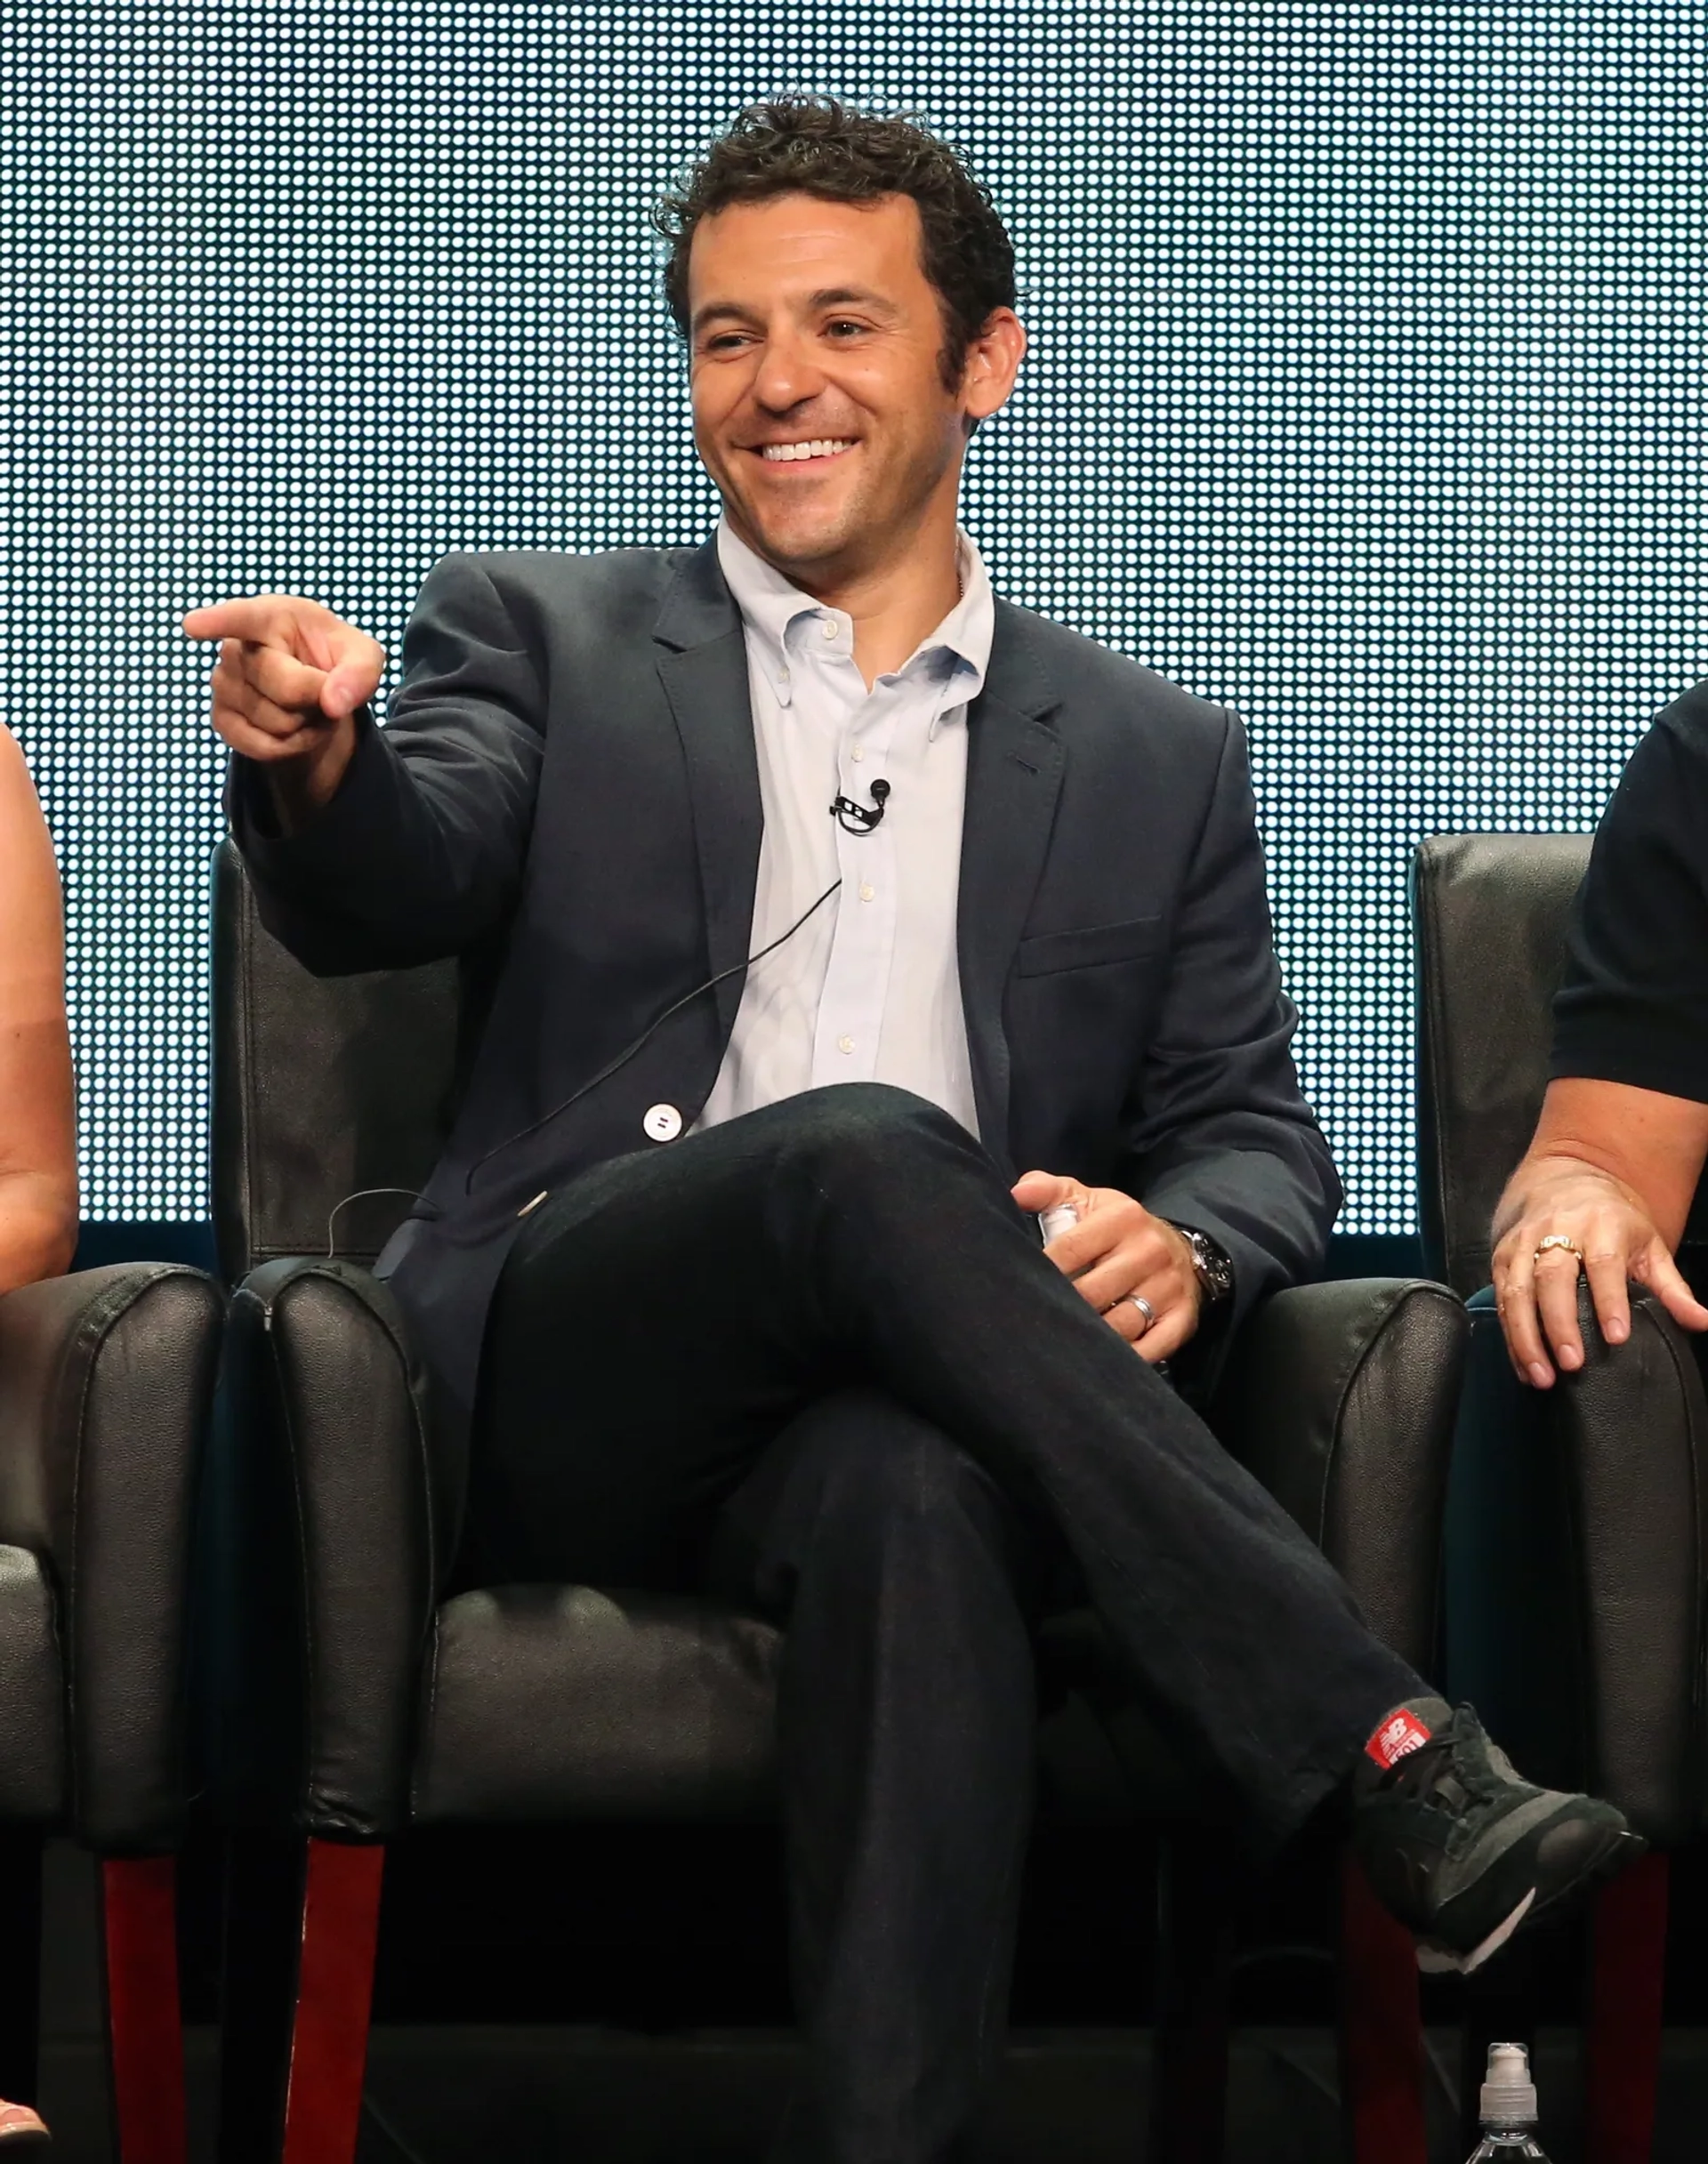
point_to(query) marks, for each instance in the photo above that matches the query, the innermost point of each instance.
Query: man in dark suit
(811, 893)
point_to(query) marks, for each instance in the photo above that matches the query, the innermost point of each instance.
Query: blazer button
(663, 1123)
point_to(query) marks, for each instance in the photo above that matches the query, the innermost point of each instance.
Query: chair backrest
(1490, 912)
(322, 1087)
(326, 1087)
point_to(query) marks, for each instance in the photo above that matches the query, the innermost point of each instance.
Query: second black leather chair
(1580, 1516)
(355, 1701)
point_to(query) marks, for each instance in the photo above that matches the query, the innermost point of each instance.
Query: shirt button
(829, 627)
(867, 892)
(844, 1044)
(858, 754)
(663, 1123)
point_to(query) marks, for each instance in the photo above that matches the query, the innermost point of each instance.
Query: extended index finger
(262, 619)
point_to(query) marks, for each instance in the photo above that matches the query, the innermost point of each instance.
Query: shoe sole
(1621, 1848)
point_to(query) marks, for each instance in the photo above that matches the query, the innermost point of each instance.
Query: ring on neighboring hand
(1144, 1307)
(1562, 1240)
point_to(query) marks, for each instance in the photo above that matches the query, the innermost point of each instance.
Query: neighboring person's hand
(1571, 1214)
(290, 678)
(1604, 1186)
(1117, 1255)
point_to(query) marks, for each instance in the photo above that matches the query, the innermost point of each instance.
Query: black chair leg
(263, 1932)
(21, 1962)
(1199, 1895)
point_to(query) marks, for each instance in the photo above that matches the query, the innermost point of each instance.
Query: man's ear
(992, 364)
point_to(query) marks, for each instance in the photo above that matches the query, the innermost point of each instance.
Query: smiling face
(820, 404)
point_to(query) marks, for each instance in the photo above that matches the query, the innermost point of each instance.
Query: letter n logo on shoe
(1400, 1733)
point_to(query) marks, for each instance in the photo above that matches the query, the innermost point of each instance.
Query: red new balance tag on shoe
(1400, 1733)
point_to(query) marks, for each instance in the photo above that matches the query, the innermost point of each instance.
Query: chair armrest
(1633, 1427)
(1341, 1398)
(331, 1522)
(106, 1380)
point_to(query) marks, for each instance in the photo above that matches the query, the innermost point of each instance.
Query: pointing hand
(289, 680)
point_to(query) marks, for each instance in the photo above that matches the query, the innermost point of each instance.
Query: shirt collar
(769, 605)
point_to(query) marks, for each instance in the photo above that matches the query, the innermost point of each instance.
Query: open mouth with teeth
(816, 450)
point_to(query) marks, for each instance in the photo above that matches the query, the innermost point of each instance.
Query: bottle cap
(1509, 2094)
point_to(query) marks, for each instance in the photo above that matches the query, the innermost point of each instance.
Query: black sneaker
(1458, 1847)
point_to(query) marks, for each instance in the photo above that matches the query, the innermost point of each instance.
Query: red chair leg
(335, 1994)
(144, 2021)
(1381, 2030)
(1623, 2037)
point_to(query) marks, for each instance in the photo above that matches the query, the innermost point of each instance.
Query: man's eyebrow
(722, 311)
(853, 296)
(826, 296)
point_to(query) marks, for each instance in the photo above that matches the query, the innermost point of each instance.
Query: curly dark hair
(818, 146)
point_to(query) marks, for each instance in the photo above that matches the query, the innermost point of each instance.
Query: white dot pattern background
(1366, 395)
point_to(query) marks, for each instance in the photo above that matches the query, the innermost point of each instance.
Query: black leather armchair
(1581, 1514)
(106, 1378)
(356, 1700)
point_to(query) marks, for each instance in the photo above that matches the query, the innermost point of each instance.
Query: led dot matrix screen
(1364, 395)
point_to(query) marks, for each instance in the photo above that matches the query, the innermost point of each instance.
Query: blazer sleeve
(1223, 1139)
(420, 851)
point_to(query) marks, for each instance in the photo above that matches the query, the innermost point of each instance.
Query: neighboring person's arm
(376, 849)
(39, 1170)
(1623, 1134)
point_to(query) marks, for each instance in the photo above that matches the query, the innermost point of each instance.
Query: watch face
(1215, 1272)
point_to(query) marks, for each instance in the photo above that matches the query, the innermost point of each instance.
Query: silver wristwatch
(1212, 1265)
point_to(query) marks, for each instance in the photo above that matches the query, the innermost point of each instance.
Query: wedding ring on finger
(1144, 1307)
(1560, 1241)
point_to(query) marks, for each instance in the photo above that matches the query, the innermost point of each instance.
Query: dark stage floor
(528, 2095)
(621, 1998)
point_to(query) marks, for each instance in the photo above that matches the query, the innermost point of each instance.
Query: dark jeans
(815, 1357)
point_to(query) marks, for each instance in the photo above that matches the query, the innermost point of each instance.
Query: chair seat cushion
(546, 1702)
(551, 1702)
(32, 1696)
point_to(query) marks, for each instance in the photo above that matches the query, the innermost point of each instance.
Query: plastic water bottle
(1053, 1223)
(1509, 2108)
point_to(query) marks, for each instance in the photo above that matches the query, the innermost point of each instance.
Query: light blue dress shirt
(869, 988)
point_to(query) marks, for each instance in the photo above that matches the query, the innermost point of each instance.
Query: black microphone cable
(640, 1042)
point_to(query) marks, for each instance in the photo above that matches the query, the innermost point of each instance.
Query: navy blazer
(567, 796)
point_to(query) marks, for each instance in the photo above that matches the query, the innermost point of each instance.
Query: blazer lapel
(704, 670)
(1014, 768)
